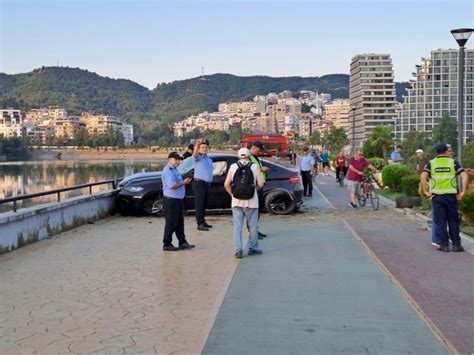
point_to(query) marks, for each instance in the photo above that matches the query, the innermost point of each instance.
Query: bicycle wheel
(374, 198)
(361, 198)
(341, 179)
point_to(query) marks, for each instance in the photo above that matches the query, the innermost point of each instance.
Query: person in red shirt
(357, 165)
(340, 165)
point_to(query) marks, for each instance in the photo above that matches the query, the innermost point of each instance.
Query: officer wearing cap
(444, 194)
(202, 180)
(255, 150)
(174, 191)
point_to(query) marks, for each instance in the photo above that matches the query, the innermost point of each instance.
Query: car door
(218, 197)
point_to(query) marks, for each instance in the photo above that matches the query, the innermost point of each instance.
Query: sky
(152, 42)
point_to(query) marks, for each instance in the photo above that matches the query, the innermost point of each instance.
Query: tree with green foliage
(381, 136)
(446, 132)
(468, 155)
(336, 139)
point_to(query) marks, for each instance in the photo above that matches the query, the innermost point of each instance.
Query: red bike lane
(440, 286)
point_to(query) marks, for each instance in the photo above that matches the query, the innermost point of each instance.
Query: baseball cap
(419, 151)
(191, 146)
(206, 142)
(174, 155)
(441, 148)
(258, 144)
(243, 152)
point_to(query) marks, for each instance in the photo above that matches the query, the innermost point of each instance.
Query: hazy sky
(160, 41)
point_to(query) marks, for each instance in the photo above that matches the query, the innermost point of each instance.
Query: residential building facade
(434, 94)
(338, 112)
(11, 123)
(372, 94)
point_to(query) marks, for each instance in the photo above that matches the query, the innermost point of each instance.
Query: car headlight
(133, 188)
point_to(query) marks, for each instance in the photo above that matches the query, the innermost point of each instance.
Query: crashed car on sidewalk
(143, 192)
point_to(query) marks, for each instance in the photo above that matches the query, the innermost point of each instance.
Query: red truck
(275, 144)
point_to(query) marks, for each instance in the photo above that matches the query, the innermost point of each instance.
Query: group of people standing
(244, 182)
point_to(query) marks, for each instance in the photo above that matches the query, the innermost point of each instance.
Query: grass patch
(392, 195)
(467, 229)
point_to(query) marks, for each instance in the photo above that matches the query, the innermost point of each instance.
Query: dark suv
(283, 190)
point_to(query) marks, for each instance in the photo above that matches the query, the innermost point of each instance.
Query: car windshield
(186, 165)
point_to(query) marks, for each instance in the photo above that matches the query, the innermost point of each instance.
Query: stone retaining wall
(31, 224)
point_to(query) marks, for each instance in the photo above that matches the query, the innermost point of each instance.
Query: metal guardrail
(58, 192)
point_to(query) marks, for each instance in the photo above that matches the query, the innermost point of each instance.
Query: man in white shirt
(307, 172)
(244, 209)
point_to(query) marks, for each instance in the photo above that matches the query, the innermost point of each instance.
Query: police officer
(255, 151)
(202, 180)
(445, 195)
(174, 191)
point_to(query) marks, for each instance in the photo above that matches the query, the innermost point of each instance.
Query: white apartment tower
(434, 94)
(372, 94)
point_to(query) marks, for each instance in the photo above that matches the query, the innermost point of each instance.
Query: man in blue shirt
(395, 157)
(202, 180)
(174, 191)
(325, 162)
(307, 172)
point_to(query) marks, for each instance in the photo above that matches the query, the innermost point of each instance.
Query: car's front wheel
(153, 205)
(279, 202)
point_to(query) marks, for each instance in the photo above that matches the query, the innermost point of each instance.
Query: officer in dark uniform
(174, 191)
(445, 194)
(202, 180)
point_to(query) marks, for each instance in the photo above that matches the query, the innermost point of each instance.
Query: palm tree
(382, 136)
(337, 139)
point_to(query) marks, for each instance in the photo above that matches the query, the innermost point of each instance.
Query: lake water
(27, 177)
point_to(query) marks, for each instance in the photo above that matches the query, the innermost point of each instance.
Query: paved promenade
(327, 283)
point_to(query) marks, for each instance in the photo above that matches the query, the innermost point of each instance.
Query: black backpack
(243, 185)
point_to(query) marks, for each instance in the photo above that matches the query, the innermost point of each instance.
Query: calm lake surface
(27, 177)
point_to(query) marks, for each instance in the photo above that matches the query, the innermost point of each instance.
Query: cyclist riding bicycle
(357, 165)
(340, 166)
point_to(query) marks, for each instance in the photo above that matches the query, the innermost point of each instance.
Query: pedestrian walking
(324, 156)
(357, 165)
(201, 182)
(395, 157)
(445, 193)
(255, 150)
(174, 191)
(189, 151)
(241, 183)
(307, 172)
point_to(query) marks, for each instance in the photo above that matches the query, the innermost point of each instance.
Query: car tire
(153, 205)
(279, 202)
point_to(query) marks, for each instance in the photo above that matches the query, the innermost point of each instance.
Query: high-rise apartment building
(337, 112)
(434, 94)
(372, 94)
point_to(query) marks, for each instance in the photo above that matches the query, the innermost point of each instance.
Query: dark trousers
(307, 183)
(338, 171)
(445, 211)
(174, 220)
(201, 192)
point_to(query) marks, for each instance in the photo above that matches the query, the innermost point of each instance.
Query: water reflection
(20, 178)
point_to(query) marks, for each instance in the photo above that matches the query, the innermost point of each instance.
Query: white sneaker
(435, 245)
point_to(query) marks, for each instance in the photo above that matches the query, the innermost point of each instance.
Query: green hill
(79, 91)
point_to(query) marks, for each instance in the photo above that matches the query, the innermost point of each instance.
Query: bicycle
(367, 191)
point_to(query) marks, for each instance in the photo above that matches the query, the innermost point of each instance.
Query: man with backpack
(241, 183)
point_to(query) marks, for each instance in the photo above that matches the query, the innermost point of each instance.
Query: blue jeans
(434, 234)
(250, 215)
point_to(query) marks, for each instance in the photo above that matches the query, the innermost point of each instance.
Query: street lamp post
(353, 130)
(461, 35)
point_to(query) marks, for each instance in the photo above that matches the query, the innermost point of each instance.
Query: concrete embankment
(31, 224)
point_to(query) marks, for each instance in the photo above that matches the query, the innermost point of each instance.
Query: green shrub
(410, 185)
(466, 205)
(392, 176)
(377, 162)
(332, 157)
(468, 155)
